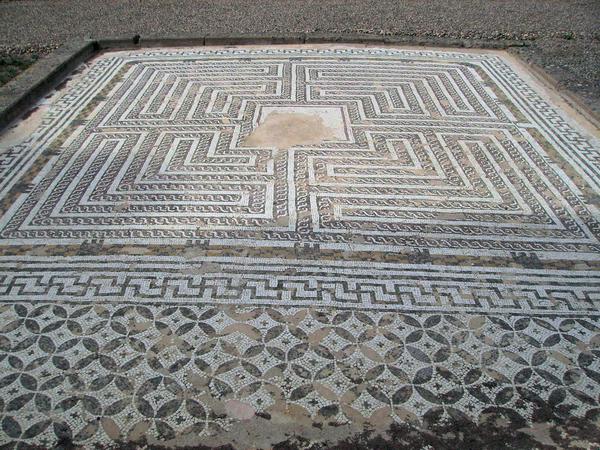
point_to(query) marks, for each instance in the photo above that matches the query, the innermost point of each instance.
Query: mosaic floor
(197, 240)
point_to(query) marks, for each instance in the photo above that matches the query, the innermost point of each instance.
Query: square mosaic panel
(439, 242)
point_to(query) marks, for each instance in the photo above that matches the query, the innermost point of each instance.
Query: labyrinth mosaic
(333, 234)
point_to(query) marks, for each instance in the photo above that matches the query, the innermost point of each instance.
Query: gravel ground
(12, 65)
(563, 35)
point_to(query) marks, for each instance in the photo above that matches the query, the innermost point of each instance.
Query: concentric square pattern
(439, 156)
(430, 158)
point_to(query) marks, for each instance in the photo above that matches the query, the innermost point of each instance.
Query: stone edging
(18, 95)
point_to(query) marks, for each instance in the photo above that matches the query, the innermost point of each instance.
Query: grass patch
(11, 66)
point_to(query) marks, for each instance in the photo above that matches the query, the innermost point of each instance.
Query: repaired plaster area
(283, 128)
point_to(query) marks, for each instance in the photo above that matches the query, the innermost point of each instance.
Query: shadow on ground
(498, 429)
